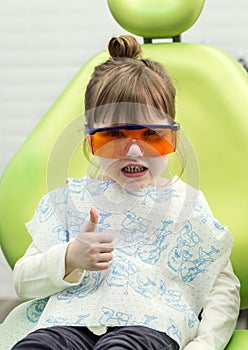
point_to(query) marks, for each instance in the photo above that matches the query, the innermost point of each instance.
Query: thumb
(91, 224)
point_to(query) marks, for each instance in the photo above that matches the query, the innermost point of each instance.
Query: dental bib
(169, 249)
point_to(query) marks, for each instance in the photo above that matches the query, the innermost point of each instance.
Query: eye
(114, 134)
(150, 132)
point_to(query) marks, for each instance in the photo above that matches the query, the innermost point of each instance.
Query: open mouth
(134, 170)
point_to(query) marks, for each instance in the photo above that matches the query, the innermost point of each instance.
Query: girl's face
(134, 171)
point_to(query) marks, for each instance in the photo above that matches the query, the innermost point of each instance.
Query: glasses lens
(113, 143)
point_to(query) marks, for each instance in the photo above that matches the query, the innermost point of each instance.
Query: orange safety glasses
(115, 141)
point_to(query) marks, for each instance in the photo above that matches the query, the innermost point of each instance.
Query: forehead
(128, 113)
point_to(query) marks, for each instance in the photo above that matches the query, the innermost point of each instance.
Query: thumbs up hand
(90, 250)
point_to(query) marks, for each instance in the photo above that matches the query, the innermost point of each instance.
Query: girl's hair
(127, 78)
(128, 88)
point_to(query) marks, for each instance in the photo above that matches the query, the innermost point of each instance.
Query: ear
(89, 141)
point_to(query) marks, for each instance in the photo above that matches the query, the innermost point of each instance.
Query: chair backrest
(212, 100)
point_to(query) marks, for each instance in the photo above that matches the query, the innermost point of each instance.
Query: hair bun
(124, 46)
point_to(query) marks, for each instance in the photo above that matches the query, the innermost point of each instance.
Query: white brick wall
(44, 43)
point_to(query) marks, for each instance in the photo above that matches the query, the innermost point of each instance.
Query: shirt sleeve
(39, 274)
(219, 314)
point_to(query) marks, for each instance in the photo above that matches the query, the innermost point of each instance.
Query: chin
(136, 184)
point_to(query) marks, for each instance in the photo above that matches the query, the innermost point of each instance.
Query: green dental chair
(211, 105)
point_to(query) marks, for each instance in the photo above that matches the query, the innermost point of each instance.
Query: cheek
(110, 166)
(157, 165)
(105, 162)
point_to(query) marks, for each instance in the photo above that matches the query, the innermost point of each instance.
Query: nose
(134, 150)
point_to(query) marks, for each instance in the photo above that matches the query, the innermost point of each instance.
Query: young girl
(129, 259)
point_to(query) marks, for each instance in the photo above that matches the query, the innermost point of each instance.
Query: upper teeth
(133, 168)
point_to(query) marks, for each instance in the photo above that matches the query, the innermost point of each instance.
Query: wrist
(70, 263)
